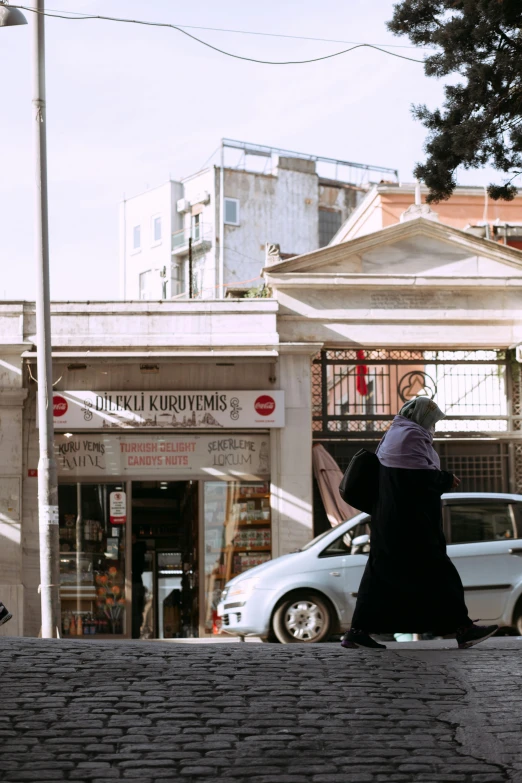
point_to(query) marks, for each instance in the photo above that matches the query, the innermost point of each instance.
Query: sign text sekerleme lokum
(185, 410)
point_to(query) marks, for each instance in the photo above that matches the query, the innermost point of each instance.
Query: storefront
(154, 522)
(164, 492)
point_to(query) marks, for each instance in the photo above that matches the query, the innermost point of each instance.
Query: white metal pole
(123, 245)
(47, 469)
(221, 267)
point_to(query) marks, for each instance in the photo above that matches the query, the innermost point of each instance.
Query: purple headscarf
(408, 444)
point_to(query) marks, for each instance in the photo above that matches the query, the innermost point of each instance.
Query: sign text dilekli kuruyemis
(168, 409)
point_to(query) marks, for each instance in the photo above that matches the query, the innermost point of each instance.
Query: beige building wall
(12, 399)
(292, 457)
(220, 345)
(384, 204)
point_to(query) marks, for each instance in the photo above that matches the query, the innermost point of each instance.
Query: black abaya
(410, 585)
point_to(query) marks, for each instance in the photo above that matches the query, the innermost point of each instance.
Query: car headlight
(242, 589)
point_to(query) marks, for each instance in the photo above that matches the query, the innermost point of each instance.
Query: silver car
(310, 594)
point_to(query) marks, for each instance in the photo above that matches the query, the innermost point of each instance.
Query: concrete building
(468, 209)
(300, 201)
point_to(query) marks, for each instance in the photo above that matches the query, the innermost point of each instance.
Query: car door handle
(338, 573)
(516, 551)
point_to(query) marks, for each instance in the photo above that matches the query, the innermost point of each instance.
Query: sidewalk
(159, 712)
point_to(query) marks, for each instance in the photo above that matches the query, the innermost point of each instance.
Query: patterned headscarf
(409, 441)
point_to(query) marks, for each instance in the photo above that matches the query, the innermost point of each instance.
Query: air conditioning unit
(183, 205)
(201, 198)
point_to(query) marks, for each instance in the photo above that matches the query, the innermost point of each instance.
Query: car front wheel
(303, 617)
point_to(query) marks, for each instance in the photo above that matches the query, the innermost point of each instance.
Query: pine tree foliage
(481, 120)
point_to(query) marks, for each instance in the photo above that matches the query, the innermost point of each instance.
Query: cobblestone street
(158, 712)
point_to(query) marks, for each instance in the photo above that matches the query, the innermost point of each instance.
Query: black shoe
(355, 639)
(5, 615)
(475, 634)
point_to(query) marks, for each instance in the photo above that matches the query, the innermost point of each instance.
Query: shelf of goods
(238, 533)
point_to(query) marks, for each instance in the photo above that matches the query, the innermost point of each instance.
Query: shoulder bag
(360, 484)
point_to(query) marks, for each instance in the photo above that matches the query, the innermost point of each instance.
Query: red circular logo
(59, 405)
(265, 405)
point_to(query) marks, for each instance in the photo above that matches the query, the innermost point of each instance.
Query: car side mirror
(361, 540)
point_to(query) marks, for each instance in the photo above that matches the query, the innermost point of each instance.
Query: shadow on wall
(295, 520)
(11, 591)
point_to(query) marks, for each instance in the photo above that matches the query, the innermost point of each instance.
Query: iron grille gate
(355, 395)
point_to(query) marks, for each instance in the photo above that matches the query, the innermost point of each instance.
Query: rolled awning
(328, 475)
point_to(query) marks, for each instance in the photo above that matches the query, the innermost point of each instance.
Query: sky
(129, 106)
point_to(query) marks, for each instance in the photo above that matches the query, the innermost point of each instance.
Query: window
(485, 522)
(232, 211)
(146, 285)
(238, 535)
(330, 222)
(93, 568)
(175, 280)
(156, 229)
(136, 237)
(196, 227)
(343, 544)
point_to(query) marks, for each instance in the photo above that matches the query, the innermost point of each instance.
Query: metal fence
(358, 392)
(199, 233)
(482, 466)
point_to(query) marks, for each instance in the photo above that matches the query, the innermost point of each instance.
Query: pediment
(417, 247)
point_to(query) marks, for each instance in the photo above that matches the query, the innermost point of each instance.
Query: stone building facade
(145, 455)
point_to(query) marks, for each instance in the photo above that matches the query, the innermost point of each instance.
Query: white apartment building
(211, 228)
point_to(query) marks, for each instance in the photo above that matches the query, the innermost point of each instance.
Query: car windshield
(318, 538)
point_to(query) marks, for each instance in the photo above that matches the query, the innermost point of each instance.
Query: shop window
(238, 536)
(92, 561)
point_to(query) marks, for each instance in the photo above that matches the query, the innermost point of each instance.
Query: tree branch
(509, 40)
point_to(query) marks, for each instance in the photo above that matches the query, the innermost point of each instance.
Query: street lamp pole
(47, 467)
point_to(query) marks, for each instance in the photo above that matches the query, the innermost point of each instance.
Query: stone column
(12, 399)
(291, 457)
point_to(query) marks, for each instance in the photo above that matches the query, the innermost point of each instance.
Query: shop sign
(202, 456)
(117, 508)
(186, 410)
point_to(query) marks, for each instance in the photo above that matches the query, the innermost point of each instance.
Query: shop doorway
(164, 559)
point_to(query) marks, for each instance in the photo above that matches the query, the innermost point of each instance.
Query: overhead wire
(296, 37)
(268, 35)
(217, 48)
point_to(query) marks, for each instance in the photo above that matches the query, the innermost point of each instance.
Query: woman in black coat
(410, 584)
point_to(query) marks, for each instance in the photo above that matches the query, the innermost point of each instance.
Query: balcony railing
(201, 234)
